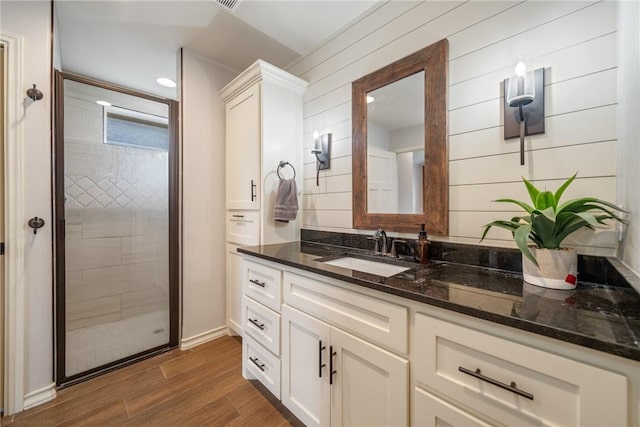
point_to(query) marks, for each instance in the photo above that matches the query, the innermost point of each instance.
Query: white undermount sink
(366, 266)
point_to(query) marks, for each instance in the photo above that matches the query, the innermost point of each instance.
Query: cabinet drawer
(431, 411)
(263, 284)
(260, 364)
(262, 324)
(243, 228)
(373, 319)
(489, 374)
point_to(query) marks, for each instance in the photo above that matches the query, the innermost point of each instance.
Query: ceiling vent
(228, 4)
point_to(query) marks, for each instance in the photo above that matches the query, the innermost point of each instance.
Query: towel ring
(283, 164)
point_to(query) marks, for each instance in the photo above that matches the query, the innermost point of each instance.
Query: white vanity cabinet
(263, 127)
(349, 355)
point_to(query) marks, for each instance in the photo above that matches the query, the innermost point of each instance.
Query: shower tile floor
(98, 345)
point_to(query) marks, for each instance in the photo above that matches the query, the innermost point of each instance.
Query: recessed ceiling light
(166, 82)
(370, 99)
(104, 103)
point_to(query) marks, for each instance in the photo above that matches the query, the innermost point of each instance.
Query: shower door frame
(59, 243)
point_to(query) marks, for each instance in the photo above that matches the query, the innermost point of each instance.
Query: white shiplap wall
(575, 41)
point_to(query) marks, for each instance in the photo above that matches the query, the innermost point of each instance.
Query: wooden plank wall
(575, 41)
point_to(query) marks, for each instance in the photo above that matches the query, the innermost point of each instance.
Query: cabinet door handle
(320, 364)
(331, 370)
(257, 324)
(257, 363)
(253, 193)
(510, 387)
(257, 282)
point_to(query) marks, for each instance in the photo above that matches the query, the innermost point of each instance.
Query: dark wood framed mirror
(399, 121)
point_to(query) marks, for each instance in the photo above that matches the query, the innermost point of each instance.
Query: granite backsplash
(591, 269)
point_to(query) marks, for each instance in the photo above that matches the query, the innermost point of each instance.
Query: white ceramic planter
(558, 268)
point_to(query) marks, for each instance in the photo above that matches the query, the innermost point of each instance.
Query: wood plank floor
(198, 387)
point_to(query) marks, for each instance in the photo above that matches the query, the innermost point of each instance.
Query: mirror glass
(395, 146)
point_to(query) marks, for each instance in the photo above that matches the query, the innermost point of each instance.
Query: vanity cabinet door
(370, 386)
(244, 130)
(305, 367)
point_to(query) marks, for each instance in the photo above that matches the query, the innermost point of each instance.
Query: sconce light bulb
(370, 99)
(521, 69)
(316, 135)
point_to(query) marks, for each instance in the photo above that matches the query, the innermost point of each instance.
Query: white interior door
(382, 181)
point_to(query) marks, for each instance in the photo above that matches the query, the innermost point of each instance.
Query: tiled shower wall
(576, 43)
(116, 216)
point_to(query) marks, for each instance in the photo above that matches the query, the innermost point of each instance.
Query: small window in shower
(135, 129)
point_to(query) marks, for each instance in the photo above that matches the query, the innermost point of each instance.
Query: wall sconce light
(524, 104)
(322, 150)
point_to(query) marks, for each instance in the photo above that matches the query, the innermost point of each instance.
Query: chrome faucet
(380, 242)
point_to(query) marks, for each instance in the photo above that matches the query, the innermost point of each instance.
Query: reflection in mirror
(395, 146)
(400, 165)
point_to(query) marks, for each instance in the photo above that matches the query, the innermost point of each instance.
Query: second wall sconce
(524, 104)
(322, 150)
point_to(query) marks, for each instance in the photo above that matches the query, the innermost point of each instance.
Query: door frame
(59, 227)
(15, 230)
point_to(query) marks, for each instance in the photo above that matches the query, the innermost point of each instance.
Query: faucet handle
(394, 250)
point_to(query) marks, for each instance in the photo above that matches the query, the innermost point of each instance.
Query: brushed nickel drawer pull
(257, 282)
(237, 216)
(257, 324)
(510, 387)
(257, 363)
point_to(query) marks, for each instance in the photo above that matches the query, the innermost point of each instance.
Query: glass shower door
(117, 293)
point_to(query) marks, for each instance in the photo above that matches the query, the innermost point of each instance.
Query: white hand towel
(286, 208)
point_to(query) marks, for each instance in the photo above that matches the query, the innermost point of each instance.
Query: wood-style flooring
(198, 387)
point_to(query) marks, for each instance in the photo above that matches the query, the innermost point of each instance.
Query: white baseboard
(187, 343)
(234, 328)
(38, 397)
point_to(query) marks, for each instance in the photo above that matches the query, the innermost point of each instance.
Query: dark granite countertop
(601, 317)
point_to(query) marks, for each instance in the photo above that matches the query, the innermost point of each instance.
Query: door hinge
(1, 248)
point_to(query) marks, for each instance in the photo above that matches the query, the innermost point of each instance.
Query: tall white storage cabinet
(263, 127)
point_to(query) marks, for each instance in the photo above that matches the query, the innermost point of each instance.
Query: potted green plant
(546, 224)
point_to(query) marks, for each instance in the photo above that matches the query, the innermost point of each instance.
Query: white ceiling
(398, 105)
(132, 42)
